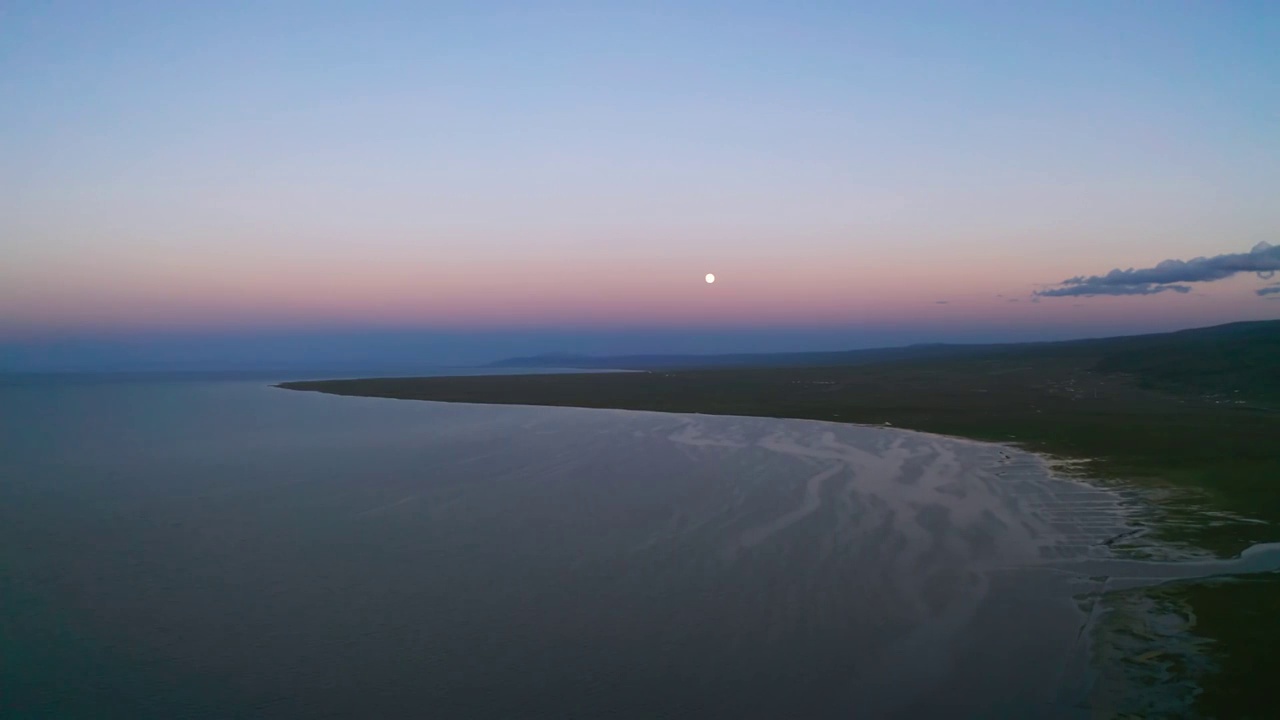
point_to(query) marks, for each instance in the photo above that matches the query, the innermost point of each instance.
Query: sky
(273, 182)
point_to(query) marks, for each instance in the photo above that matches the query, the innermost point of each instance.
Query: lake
(216, 547)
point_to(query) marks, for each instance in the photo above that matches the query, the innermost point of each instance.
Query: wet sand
(964, 579)
(947, 556)
(952, 577)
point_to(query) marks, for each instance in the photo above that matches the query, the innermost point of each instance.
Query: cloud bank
(1264, 259)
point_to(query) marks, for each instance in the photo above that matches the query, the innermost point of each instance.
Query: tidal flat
(227, 549)
(1180, 430)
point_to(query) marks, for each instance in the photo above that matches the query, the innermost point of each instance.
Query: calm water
(221, 548)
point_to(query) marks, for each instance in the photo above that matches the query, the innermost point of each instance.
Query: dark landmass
(1196, 411)
(794, 359)
(1222, 358)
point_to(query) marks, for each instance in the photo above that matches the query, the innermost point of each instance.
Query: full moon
(710, 278)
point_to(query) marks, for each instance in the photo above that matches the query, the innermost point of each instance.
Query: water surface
(211, 549)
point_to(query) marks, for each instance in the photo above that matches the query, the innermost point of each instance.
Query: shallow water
(227, 549)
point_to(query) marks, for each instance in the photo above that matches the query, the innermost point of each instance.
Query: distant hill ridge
(1222, 359)
(656, 361)
(1266, 332)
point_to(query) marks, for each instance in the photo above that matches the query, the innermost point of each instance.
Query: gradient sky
(491, 179)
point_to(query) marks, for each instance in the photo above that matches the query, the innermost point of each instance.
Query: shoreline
(1211, 599)
(1117, 433)
(1065, 469)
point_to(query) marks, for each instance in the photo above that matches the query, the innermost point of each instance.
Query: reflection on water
(215, 549)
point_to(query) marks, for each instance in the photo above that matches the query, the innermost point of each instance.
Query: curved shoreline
(1152, 574)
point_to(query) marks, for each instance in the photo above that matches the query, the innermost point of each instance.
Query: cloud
(1271, 290)
(941, 302)
(1264, 259)
(1085, 290)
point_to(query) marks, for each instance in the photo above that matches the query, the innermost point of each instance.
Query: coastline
(1225, 680)
(1104, 428)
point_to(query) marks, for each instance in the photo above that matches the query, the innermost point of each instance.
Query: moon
(710, 278)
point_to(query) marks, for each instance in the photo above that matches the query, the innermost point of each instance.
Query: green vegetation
(1239, 616)
(1197, 410)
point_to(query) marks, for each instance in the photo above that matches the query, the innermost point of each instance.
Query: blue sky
(529, 169)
